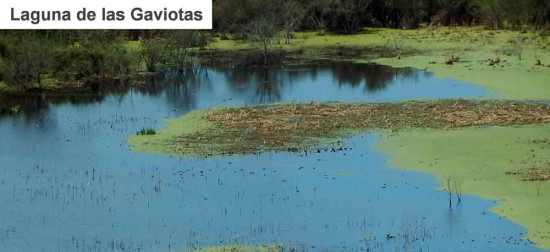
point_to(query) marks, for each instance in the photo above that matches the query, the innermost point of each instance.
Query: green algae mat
(499, 164)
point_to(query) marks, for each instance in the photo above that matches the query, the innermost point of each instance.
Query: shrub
(152, 52)
(100, 58)
(26, 59)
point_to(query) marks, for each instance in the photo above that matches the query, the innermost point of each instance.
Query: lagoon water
(68, 181)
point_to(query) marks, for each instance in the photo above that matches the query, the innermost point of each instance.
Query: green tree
(27, 59)
(178, 45)
(152, 52)
(540, 14)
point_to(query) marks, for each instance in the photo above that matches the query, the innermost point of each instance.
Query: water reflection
(373, 78)
(221, 86)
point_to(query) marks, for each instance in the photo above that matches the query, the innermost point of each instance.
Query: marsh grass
(289, 127)
(146, 131)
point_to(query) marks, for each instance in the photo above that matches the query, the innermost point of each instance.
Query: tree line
(349, 16)
(28, 58)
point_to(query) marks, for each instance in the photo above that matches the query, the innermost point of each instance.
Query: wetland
(361, 185)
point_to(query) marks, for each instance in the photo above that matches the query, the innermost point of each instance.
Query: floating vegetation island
(288, 127)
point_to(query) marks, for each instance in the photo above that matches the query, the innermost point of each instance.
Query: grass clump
(146, 131)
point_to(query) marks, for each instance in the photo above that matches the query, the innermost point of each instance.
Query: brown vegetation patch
(545, 141)
(538, 174)
(284, 127)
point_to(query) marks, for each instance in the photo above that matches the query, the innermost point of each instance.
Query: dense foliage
(348, 16)
(30, 58)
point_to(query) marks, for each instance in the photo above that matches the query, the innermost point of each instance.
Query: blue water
(68, 181)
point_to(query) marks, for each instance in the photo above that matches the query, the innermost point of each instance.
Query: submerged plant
(449, 190)
(453, 186)
(15, 109)
(11, 110)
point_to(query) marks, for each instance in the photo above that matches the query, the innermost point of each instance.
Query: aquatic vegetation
(453, 185)
(288, 127)
(146, 131)
(491, 155)
(190, 123)
(15, 109)
(10, 109)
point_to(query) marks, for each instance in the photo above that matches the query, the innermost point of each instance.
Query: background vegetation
(53, 59)
(349, 16)
(57, 59)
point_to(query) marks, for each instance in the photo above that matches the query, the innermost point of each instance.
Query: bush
(178, 45)
(119, 60)
(75, 63)
(26, 59)
(151, 52)
(96, 59)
